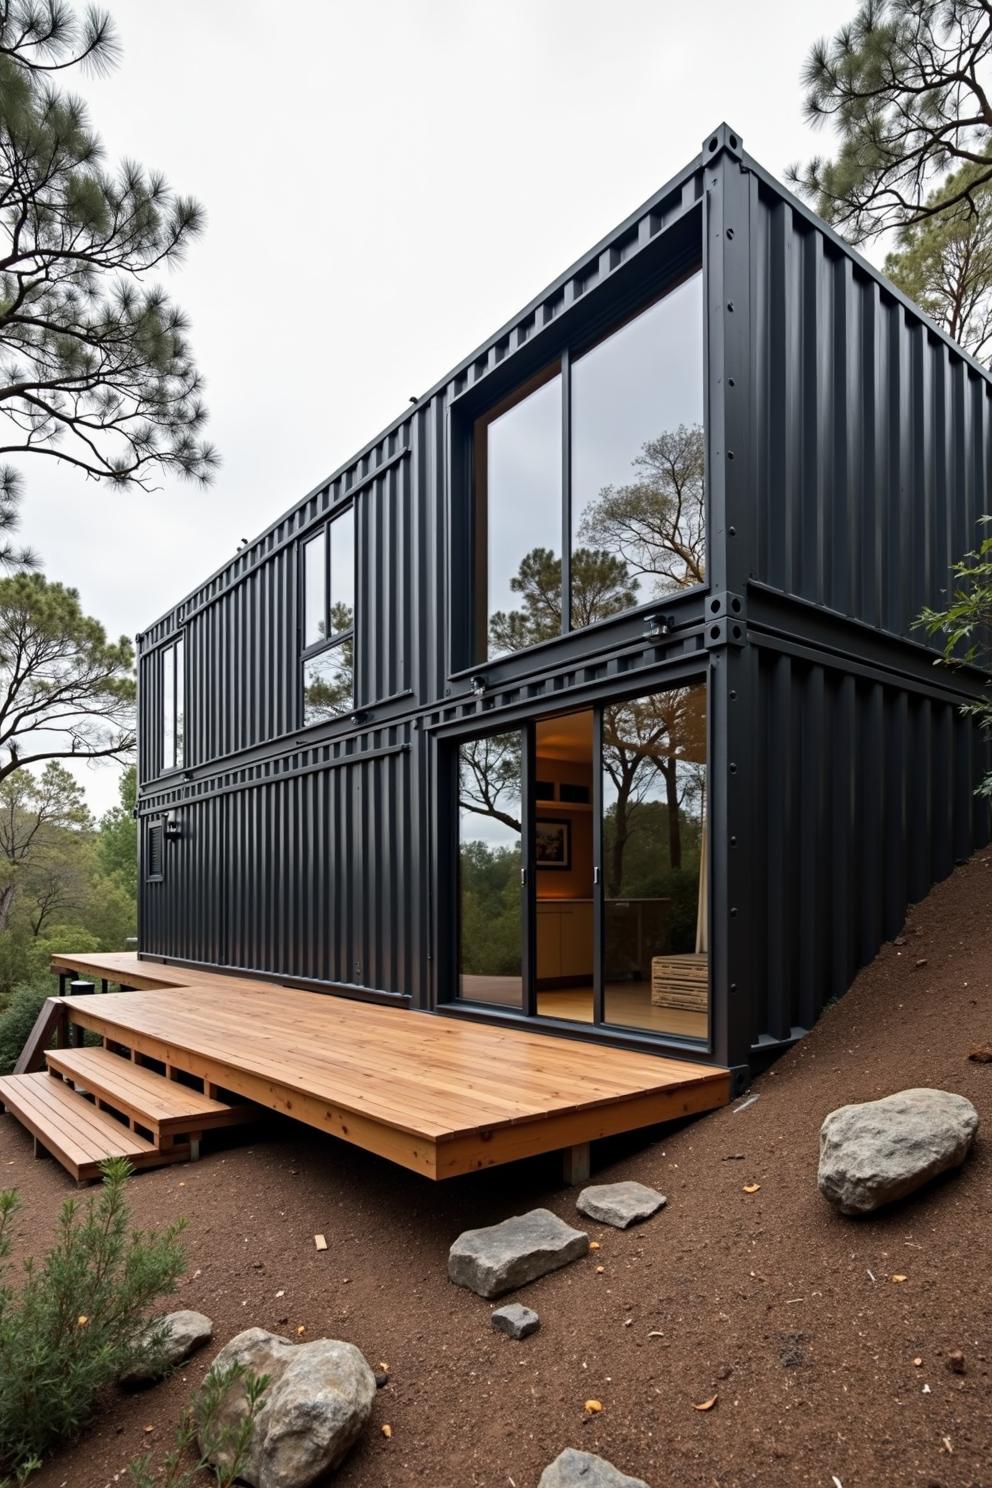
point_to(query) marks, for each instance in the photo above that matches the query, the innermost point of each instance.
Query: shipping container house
(588, 696)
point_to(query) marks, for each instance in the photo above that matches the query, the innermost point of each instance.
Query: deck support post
(194, 1149)
(575, 1164)
(79, 989)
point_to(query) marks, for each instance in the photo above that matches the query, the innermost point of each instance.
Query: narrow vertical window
(315, 589)
(173, 706)
(518, 520)
(329, 621)
(169, 708)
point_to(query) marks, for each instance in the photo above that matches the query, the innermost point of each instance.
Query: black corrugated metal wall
(860, 448)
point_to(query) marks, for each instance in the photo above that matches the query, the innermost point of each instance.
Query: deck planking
(441, 1096)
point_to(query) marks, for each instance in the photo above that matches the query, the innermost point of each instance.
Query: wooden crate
(681, 982)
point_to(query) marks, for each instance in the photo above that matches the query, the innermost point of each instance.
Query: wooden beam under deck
(440, 1096)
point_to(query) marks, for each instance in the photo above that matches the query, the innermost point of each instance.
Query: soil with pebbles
(824, 1370)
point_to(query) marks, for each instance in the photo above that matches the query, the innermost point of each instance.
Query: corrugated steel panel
(862, 799)
(324, 861)
(872, 433)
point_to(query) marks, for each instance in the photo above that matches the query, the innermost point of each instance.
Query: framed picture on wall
(552, 842)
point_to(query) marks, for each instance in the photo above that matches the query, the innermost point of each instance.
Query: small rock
(499, 1258)
(516, 1321)
(955, 1362)
(181, 1334)
(981, 1054)
(381, 1379)
(879, 1151)
(574, 1469)
(317, 1403)
(620, 1204)
(724, 1372)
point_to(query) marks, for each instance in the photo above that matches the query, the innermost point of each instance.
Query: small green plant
(965, 627)
(17, 1020)
(79, 1319)
(222, 1447)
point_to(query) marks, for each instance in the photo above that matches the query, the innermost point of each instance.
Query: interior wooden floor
(627, 1004)
(439, 1095)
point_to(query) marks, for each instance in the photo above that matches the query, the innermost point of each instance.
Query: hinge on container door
(523, 878)
(595, 875)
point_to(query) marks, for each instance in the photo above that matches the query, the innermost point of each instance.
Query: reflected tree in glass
(656, 524)
(329, 677)
(601, 586)
(490, 857)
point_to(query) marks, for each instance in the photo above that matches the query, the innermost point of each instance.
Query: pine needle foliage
(66, 690)
(78, 1319)
(95, 364)
(945, 263)
(221, 1447)
(904, 87)
(965, 628)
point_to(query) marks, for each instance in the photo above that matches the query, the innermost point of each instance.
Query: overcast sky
(386, 182)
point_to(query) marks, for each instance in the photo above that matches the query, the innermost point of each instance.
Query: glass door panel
(563, 854)
(654, 910)
(491, 920)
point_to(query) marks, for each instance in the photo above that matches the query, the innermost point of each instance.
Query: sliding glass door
(582, 866)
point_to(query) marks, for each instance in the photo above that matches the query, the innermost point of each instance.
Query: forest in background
(68, 882)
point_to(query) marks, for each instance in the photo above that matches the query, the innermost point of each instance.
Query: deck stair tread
(154, 1101)
(73, 1130)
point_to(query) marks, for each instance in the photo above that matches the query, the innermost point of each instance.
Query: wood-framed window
(172, 663)
(589, 489)
(328, 581)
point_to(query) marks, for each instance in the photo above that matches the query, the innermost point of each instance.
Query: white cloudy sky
(386, 182)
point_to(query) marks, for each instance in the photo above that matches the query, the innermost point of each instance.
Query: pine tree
(95, 366)
(903, 86)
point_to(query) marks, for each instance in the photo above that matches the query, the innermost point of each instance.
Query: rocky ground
(747, 1287)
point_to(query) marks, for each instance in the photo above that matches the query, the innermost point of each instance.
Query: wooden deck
(440, 1096)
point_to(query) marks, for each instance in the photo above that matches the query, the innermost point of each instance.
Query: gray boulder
(508, 1255)
(574, 1469)
(879, 1151)
(620, 1204)
(516, 1321)
(168, 1340)
(317, 1403)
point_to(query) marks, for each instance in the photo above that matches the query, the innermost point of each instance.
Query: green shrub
(18, 1018)
(223, 1443)
(78, 1320)
(965, 628)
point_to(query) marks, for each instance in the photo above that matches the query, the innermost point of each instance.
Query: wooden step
(160, 1105)
(74, 1131)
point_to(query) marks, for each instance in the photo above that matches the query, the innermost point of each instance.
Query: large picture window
(173, 678)
(589, 481)
(328, 623)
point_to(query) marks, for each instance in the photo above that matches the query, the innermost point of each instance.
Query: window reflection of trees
(329, 678)
(641, 541)
(654, 758)
(491, 927)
